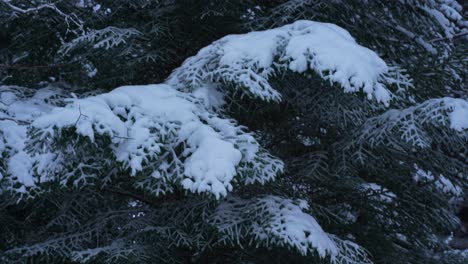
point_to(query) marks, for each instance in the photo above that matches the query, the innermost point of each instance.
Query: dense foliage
(297, 142)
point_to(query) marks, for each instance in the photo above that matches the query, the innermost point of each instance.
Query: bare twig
(78, 119)
(5, 78)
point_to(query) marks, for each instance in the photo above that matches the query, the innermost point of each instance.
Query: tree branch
(130, 195)
(453, 37)
(20, 122)
(153, 202)
(32, 67)
(68, 17)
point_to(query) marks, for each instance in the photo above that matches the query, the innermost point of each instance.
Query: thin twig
(79, 109)
(5, 78)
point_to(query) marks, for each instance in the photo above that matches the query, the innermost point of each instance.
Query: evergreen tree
(351, 159)
(331, 134)
(107, 43)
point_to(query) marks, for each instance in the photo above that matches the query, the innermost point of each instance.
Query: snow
(105, 38)
(7, 97)
(19, 167)
(96, 7)
(173, 133)
(332, 48)
(147, 123)
(213, 165)
(429, 48)
(383, 194)
(308, 141)
(442, 20)
(210, 96)
(259, 48)
(247, 61)
(290, 224)
(17, 111)
(91, 71)
(20, 163)
(147, 127)
(13, 134)
(413, 124)
(446, 186)
(274, 220)
(25, 110)
(448, 14)
(459, 114)
(441, 183)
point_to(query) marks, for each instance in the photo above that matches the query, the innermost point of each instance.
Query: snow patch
(247, 61)
(383, 194)
(147, 124)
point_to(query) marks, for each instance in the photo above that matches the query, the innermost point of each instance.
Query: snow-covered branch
(247, 62)
(70, 19)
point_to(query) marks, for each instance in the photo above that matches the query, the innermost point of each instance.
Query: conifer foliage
(328, 132)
